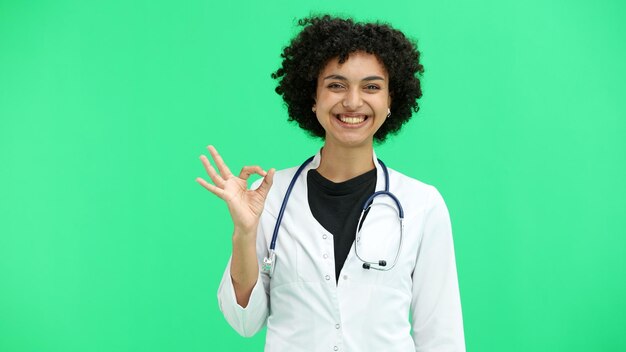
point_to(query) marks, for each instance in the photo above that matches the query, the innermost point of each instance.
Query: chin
(348, 142)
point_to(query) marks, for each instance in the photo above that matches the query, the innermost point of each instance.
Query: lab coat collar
(380, 174)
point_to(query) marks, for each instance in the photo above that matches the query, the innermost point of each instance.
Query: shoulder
(415, 195)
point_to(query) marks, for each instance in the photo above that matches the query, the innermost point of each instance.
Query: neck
(341, 164)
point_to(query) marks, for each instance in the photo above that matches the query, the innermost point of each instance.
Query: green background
(108, 244)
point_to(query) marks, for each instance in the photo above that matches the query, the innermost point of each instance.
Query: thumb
(268, 180)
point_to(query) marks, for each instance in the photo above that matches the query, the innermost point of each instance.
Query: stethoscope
(269, 262)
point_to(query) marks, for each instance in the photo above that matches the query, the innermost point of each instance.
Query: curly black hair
(326, 37)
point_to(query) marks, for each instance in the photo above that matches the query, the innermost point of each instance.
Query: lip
(351, 125)
(351, 114)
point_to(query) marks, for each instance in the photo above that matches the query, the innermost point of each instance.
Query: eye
(372, 87)
(335, 86)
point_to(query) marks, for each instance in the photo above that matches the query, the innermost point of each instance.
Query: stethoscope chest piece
(269, 263)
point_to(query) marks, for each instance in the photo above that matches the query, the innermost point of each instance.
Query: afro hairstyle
(324, 38)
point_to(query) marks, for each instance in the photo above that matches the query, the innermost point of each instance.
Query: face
(352, 99)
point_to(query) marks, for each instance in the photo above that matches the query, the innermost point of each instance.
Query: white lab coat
(413, 307)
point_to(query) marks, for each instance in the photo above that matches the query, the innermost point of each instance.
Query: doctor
(333, 280)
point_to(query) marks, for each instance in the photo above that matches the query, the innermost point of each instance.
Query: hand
(245, 206)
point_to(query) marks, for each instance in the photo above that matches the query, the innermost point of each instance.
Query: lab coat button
(325, 255)
(336, 348)
(345, 277)
(327, 277)
(324, 236)
(336, 326)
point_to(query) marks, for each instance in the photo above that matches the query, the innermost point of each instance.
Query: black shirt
(337, 207)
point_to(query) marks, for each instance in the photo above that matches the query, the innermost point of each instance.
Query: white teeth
(352, 120)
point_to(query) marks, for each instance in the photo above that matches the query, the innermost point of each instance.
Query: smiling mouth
(351, 119)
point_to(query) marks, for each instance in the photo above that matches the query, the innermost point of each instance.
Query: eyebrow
(342, 78)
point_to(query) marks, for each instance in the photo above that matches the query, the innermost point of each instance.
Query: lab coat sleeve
(249, 320)
(436, 315)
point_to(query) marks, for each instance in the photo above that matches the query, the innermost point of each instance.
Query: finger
(212, 188)
(268, 180)
(224, 170)
(217, 179)
(246, 171)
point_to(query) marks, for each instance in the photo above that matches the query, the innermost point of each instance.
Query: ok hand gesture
(245, 206)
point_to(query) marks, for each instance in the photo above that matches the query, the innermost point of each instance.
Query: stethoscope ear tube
(269, 262)
(381, 264)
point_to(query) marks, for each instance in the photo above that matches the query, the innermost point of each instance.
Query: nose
(352, 100)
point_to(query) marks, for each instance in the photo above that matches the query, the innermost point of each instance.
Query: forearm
(436, 307)
(244, 267)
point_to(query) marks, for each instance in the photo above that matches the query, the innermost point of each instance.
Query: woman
(337, 277)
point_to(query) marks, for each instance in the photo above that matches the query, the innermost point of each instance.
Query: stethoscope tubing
(285, 199)
(381, 265)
